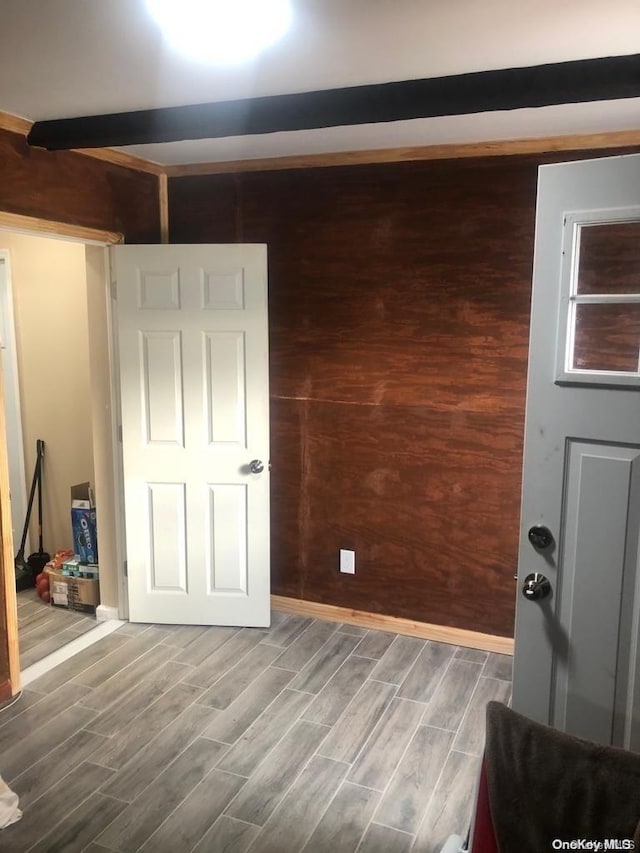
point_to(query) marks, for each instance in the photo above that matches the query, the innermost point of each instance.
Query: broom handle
(32, 493)
(40, 460)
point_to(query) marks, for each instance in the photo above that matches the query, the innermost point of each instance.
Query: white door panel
(577, 657)
(193, 359)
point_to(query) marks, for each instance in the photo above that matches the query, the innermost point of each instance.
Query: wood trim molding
(407, 627)
(446, 151)
(15, 124)
(492, 148)
(121, 158)
(33, 225)
(163, 194)
(7, 573)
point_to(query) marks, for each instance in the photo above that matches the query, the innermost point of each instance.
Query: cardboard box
(83, 523)
(74, 568)
(73, 593)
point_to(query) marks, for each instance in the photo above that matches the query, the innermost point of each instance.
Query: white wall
(49, 280)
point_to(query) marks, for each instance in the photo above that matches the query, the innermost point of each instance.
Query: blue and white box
(83, 523)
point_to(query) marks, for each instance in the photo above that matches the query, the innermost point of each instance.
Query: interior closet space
(46, 370)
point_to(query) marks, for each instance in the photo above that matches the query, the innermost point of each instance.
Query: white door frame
(17, 223)
(116, 441)
(102, 239)
(12, 401)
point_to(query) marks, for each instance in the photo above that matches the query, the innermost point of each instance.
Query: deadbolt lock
(540, 537)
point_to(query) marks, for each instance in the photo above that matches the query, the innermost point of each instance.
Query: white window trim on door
(569, 299)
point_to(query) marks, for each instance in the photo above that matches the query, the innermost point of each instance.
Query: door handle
(536, 587)
(256, 466)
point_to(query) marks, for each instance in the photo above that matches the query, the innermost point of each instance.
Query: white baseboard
(105, 612)
(69, 650)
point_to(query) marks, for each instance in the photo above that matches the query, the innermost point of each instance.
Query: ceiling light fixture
(221, 31)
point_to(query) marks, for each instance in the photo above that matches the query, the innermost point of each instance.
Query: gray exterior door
(577, 651)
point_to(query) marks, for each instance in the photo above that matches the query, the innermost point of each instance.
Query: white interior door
(577, 658)
(193, 363)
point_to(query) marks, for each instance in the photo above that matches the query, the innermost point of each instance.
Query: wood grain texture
(381, 754)
(329, 704)
(451, 807)
(164, 208)
(398, 660)
(273, 777)
(354, 727)
(296, 817)
(265, 733)
(415, 779)
(284, 774)
(9, 651)
(80, 827)
(606, 337)
(5, 686)
(228, 836)
(75, 189)
(122, 158)
(427, 672)
(49, 771)
(399, 315)
(446, 708)
(16, 124)
(59, 800)
(609, 258)
(54, 228)
(375, 643)
(345, 821)
(444, 151)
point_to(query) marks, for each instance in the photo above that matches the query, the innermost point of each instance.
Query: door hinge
(120, 433)
(114, 289)
(125, 566)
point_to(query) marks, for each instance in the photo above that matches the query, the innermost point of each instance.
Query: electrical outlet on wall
(347, 561)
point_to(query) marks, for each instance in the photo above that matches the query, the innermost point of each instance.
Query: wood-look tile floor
(43, 629)
(308, 736)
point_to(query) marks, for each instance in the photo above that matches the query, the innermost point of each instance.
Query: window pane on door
(607, 337)
(609, 260)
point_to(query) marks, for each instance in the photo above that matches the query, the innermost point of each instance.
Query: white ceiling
(67, 58)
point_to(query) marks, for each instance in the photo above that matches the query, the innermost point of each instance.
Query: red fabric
(484, 837)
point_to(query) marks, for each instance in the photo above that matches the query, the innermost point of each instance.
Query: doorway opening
(56, 315)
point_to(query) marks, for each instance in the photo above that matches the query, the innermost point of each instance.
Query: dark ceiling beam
(604, 79)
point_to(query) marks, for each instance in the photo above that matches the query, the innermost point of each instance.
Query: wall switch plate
(347, 561)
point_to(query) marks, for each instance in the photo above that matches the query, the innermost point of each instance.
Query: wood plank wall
(68, 187)
(399, 318)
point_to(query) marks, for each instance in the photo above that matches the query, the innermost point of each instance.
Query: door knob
(256, 466)
(536, 586)
(540, 537)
